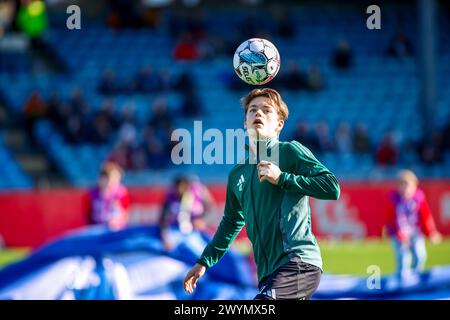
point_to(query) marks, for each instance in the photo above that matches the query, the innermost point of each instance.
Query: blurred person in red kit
(107, 203)
(408, 222)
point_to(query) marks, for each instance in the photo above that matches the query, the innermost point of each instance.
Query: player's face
(262, 117)
(406, 189)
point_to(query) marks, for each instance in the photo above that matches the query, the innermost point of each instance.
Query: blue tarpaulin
(95, 263)
(129, 264)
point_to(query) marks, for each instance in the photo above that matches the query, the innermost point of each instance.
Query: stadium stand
(378, 90)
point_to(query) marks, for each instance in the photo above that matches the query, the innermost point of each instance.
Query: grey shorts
(295, 280)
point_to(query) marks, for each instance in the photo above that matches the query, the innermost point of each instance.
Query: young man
(271, 199)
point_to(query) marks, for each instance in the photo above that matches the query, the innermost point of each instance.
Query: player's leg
(419, 253)
(402, 257)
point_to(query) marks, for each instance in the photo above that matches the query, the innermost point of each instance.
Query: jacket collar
(264, 144)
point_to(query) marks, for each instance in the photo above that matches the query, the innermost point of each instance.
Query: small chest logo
(240, 183)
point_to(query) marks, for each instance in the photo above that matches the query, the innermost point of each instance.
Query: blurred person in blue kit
(186, 204)
(408, 222)
(107, 203)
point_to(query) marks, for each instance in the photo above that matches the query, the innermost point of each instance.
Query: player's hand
(436, 238)
(190, 281)
(268, 171)
(168, 245)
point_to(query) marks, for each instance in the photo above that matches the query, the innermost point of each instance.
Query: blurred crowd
(138, 144)
(390, 150)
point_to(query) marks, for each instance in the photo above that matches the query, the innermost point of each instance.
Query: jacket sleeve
(427, 221)
(230, 226)
(308, 176)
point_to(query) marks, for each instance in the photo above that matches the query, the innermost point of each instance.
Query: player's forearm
(324, 186)
(219, 245)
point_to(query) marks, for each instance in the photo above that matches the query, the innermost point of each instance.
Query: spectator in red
(387, 152)
(107, 203)
(35, 108)
(408, 220)
(186, 49)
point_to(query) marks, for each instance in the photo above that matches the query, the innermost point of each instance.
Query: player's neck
(253, 140)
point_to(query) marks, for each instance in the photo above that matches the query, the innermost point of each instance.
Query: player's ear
(245, 123)
(280, 125)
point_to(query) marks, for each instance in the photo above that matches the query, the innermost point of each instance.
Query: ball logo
(253, 58)
(246, 73)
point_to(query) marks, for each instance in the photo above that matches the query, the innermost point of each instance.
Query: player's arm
(428, 224)
(230, 226)
(308, 176)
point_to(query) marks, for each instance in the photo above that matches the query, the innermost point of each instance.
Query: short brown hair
(109, 167)
(408, 176)
(279, 104)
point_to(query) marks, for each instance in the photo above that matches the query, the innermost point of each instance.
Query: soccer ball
(256, 61)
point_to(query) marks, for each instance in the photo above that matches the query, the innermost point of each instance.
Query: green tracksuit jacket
(277, 217)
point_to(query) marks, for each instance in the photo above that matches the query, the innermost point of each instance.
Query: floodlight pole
(428, 33)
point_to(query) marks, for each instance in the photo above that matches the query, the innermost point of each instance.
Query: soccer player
(107, 203)
(186, 204)
(272, 200)
(408, 220)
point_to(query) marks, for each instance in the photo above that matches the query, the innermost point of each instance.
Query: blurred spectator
(108, 83)
(108, 110)
(53, 105)
(322, 135)
(156, 148)
(146, 81)
(102, 130)
(387, 151)
(343, 139)
(73, 130)
(196, 25)
(122, 155)
(138, 159)
(61, 116)
(77, 100)
(35, 108)
(185, 82)
(293, 79)
(285, 25)
(408, 220)
(185, 206)
(123, 14)
(446, 136)
(86, 118)
(304, 136)
(186, 48)
(107, 203)
(431, 149)
(400, 46)
(343, 56)
(314, 80)
(165, 80)
(191, 106)
(361, 140)
(161, 119)
(7, 13)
